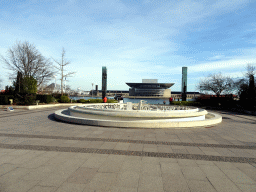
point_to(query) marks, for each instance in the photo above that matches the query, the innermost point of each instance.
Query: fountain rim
(137, 113)
(160, 123)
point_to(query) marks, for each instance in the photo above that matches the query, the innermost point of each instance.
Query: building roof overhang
(150, 85)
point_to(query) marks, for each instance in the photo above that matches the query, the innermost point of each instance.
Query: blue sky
(135, 39)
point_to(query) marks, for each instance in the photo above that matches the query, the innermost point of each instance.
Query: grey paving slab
(194, 150)
(103, 181)
(110, 167)
(21, 186)
(200, 186)
(133, 166)
(247, 188)
(122, 146)
(225, 165)
(238, 176)
(187, 162)
(171, 169)
(128, 179)
(212, 171)
(150, 183)
(221, 184)
(135, 147)
(173, 183)
(150, 160)
(150, 148)
(193, 173)
(42, 189)
(123, 189)
(67, 187)
(36, 162)
(15, 174)
(39, 173)
(82, 175)
(108, 145)
(151, 170)
(95, 161)
(6, 167)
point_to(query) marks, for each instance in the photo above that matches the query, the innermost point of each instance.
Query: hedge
(4, 99)
(186, 103)
(95, 101)
(64, 99)
(44, 98)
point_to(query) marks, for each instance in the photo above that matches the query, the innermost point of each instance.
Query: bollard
(11, 101)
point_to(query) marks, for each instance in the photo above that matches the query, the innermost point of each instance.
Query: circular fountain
(138, 115)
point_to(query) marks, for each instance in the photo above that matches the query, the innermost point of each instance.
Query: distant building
(177, 95)
(150, 88)
(52, 88)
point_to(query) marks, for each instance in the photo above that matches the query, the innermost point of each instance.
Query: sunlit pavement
(38, 153)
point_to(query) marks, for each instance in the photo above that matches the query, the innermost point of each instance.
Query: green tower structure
(104, 81)
(184, 83)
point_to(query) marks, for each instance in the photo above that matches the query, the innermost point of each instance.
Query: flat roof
(150, 85)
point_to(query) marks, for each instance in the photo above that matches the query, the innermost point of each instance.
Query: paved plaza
(40, 154)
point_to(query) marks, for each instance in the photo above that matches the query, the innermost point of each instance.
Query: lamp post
(65, 85)
(92, 88)
(54, 89)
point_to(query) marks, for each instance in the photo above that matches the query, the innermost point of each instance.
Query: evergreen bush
(81, 101)
(186, 103)
(44, 98)
(64, 99)
(96, 101)
(29, 99)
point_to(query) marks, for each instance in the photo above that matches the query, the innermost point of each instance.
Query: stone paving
(38, 153)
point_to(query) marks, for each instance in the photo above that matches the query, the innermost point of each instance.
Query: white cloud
(221, 65)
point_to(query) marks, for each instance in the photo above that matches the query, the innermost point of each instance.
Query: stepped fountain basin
(138, 115)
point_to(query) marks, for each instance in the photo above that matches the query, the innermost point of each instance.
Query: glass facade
(148, 89)
(184, 79)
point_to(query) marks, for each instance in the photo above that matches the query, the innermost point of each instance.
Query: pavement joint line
(250, 146)
(131, 153)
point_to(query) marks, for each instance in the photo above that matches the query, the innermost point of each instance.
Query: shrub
(81, 101)
(64, 99)
(186, 103)
(29, 99)
(57, 95)
(112, 101)
(29, 84)
(94, 101)
(45, 98)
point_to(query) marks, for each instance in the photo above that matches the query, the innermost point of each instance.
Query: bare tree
(250, 70)
(24, 57)
(241, 83)
(216, 83)
(60, 66)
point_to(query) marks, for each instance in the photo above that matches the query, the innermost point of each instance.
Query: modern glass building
(148, 88)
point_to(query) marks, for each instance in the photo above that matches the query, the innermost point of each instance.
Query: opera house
(150, 88)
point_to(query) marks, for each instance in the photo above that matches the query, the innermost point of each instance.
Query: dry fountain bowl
(138, 115)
